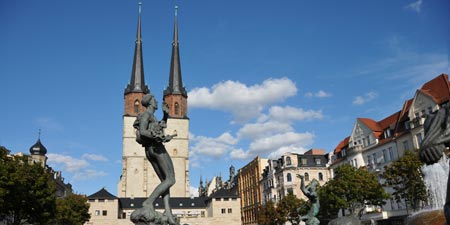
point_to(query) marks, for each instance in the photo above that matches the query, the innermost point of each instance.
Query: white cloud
(94, 157)
(415, 6)
(212, 147)
(275, 145)
(88, 174)
(240, 154)
(360, 100)
(244, 102)
(258, 130)
(319, 94)
(291, 148)
(264, 146)
(68, 162)
(193, 191)
(290, 114)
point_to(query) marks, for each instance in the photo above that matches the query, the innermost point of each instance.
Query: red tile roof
(437, 88)
(341, 145)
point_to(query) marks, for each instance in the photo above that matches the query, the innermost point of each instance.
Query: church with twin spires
(138, 179)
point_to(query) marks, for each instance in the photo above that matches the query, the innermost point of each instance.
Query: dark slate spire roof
(137, 82)
(175, 80)
(38, 148)
(102, 194)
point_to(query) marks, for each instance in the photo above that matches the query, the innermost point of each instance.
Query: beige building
(279, 177)
(249, 189)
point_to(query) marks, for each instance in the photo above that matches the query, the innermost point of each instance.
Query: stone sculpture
(435, 142)
(310, 192)
(150, 134)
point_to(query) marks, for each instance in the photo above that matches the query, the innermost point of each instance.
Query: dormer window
(288, 161)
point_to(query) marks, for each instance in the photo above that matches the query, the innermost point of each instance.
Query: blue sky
(264, 77)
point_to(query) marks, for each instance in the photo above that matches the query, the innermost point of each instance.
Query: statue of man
(310, 192)
(150, 134)
(435, 142)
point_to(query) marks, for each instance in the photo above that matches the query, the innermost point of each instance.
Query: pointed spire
(175, 81)
(137, 81)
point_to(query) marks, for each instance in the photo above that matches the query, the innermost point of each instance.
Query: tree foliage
(287, 209)
(72, 210)
(350, 189)
(406, 179)
(27, 192)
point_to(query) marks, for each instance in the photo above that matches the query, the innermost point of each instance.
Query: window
(104, 213)
(101, 200)
(419, 138)
(368, 140)
(289, 177)
(202, 213)
(223, 211)
(317, 161)
(136, 106)
(304, 161)
(124, 215)
(177, 108)
(230, 210)
(406, 145)
(375, 160)
(306, 177)
(290, 191)
(343, 152)
(356, 163)
(320, 176)
(391, 153)
(385, 157)
(288, 161)
(97, 212)
(369, 160)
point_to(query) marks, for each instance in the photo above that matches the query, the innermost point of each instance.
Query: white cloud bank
(244, 102)
(266, 127)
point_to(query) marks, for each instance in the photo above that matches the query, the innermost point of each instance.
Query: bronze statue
(150, 134)
(435, 142)
(311, 193)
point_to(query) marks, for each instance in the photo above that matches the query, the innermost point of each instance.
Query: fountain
(435, 177)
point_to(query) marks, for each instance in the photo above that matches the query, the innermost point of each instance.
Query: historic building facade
(249, 189)
(279, 177)
(375, 144)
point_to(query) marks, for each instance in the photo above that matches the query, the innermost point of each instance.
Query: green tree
(268, 214)
(350, 189)
(288, 208)
(27, 192)
(406, 179)
(72, 210)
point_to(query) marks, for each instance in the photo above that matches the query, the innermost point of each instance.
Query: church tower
(138, 178)
(175, 96)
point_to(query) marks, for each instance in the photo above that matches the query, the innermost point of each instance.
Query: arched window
(136, 106)
(320, 176)
(288, 161)
(306, 176)
(289, 177)
(177, 108)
